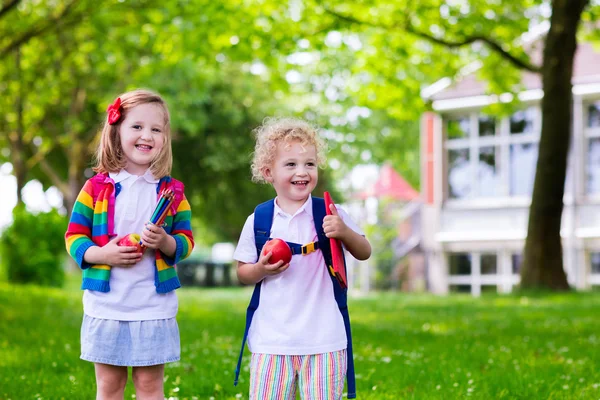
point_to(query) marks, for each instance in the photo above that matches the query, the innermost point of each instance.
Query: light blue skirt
(130, 343)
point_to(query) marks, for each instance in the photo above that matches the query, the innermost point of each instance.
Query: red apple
(133, 239)
(280, 249)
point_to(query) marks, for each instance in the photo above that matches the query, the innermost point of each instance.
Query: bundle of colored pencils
(162, 208)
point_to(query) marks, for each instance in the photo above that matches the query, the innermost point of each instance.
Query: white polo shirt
(297, 314)
(132, 295)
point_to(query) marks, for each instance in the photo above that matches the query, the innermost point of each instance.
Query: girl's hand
(334, 226)
(266, 269)
(120, 256)
(154, 237)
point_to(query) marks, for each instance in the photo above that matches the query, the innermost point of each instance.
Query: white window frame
(502, 142)
(588, 133)
(503, 279)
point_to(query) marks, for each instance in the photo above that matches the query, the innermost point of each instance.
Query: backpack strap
(263, 219)
(341, 294)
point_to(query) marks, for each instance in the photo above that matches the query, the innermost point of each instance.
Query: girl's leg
(272, 377)
(148, 382)
(110, 381)
(322, 376)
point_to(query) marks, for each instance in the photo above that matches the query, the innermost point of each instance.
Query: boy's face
(294, 173)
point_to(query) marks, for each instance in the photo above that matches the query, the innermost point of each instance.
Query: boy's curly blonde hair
(275, 130)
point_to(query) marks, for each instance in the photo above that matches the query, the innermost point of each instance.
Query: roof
(585, 70)
(390, 184)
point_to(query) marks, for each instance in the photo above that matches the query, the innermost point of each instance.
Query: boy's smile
(294, 174)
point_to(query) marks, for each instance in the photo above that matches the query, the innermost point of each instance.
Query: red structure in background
(403, 207)
(390, 184)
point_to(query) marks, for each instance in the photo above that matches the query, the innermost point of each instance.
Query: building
(477, 179)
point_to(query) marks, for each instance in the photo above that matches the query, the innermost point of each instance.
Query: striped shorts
(316, 376)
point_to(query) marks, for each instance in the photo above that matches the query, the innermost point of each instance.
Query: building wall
(477, 176)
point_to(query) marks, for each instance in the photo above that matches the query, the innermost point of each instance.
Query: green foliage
(405, 346)
(382, 236)
(33, 248)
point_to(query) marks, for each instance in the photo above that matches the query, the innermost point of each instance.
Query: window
(459, 173)
(516, 260)
(522, 121)
(595, 260)
(489, 157)
(487, 125)
(592, 159)
(459, 263)
(458, 128)
(488, 173)
(593, 119)
(523, 160)
(489, 264)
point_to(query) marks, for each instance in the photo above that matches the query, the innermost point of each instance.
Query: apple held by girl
(133, 239)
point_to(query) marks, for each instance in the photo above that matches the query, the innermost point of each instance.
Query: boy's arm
(335, 227)
(249, 273)
(357, 245)
(78, 238)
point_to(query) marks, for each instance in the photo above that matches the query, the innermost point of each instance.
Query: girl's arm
(78, 238)
(79, 233)
(178, 245)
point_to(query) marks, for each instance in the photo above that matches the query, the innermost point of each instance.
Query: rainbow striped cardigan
(92, 224)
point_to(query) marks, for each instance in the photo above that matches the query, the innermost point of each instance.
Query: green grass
(406, 346)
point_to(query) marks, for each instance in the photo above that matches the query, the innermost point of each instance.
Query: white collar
(122, 175)
(306, 207)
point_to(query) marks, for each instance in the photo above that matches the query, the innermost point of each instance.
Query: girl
(129, 301)
(297, 333)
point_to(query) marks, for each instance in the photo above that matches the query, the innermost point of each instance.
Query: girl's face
(294, 173)
(142, 134)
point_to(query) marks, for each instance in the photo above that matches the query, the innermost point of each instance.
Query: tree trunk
(543, 256)
(17, 148)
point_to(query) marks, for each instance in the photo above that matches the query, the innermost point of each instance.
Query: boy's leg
(322, 376)
(148, 382)
(110, 381)
(272, 377)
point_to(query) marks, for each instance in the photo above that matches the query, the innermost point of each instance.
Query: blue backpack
(263, 220)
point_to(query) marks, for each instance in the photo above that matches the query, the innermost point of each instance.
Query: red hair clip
(114, 111)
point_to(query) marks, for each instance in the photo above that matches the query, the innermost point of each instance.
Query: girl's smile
(142, 135)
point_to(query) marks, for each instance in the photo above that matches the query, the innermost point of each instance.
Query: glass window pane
(522, 121)
(594, 115)
(489, 178)
(459, 263)
(593, 166)
(460, 179)
(459, 127)
(489, 264)
(487, 125)
(523, 158)
(595, 259)
(516, 259)
(489, 289)
(460, 288)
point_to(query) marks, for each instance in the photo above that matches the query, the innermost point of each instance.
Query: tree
(404, 45)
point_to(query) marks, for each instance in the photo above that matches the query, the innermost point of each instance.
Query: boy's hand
(266, 269)
(154, 237)
(119, 256)
(333, 225)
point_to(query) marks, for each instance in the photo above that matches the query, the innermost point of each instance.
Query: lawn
(406, 346)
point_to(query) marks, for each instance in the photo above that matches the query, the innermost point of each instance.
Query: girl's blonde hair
(275, 130)
(109, 155)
